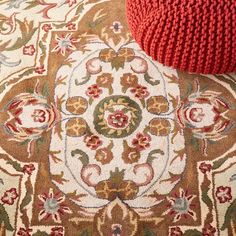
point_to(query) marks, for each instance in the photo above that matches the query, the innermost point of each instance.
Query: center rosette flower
(118, 119)
(117, 116)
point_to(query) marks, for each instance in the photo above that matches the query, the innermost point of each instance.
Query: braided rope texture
(198, 36)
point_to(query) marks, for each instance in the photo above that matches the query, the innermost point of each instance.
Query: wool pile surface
(96, 139)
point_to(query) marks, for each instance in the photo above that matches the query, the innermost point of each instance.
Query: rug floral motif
(96, 139)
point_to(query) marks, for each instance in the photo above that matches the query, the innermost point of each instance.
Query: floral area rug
(96, 139)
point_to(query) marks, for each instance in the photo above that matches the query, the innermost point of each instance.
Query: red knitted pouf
(192, 35)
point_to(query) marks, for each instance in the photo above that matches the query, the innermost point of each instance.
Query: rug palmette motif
(99, 140)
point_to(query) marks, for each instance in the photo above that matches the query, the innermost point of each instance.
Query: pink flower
(140, 91)
(39, 115)
(175, 231)
(57, 231)
(28, 169)
(71, 26)
(223, 194)
(40, 69)
(52, 206)
(141, 141)
(94, 91)
(29, 50)
(118, 119)
(208, 230)
(116, 27)
(93, 142)
(46, 27)
(71, 2)
(9, 196)
(24, 232)
(205, 167)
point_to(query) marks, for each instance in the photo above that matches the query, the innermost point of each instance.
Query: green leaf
(26, 200)
(205, 189)
(43, 47)
(26, 73)
(2, 87)
(85, 233)
(40, 140)
(94, 24)
(218, 163)
(25, 142)
(229, 215)
(189, 90)
(40, 233)
(84, 80)
(195, 143)
(230, 80)
(45, 90)
(90, 101)
(117, 63)
(79, 9)
(150, 79)
(29, 90)
(193, 232)
(28, 196)
(152, 155)
(58, 26)
(148, 232)
(22, 41)
(117, 176)
(233, 178)
(206, 199)
(124, 89)
(15, 165)
(84, 158)
(4, 218)
(31, 5)
(38, 143)
(112, 110)
(142, 102)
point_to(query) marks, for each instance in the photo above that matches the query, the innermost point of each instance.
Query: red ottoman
(192, 35)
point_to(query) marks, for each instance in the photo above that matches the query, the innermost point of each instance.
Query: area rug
(96, 139)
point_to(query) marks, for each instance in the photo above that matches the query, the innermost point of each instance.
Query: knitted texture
(192, 35)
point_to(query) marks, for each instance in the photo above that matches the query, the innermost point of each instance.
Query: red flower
(71, 2)
(24, 232)
(205, 167)
(29, 50)
(46, 27)
(9, 196)
(93, 142)
(94, 91)
(140, 92)
(71, 26)
(141, 141)
(175, 231)
(57, 231)
(40, 69)
(118, 119)
(28, 169)
(208, 230)
(223, 194)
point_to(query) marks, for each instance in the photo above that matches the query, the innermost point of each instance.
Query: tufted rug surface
(96, 139)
